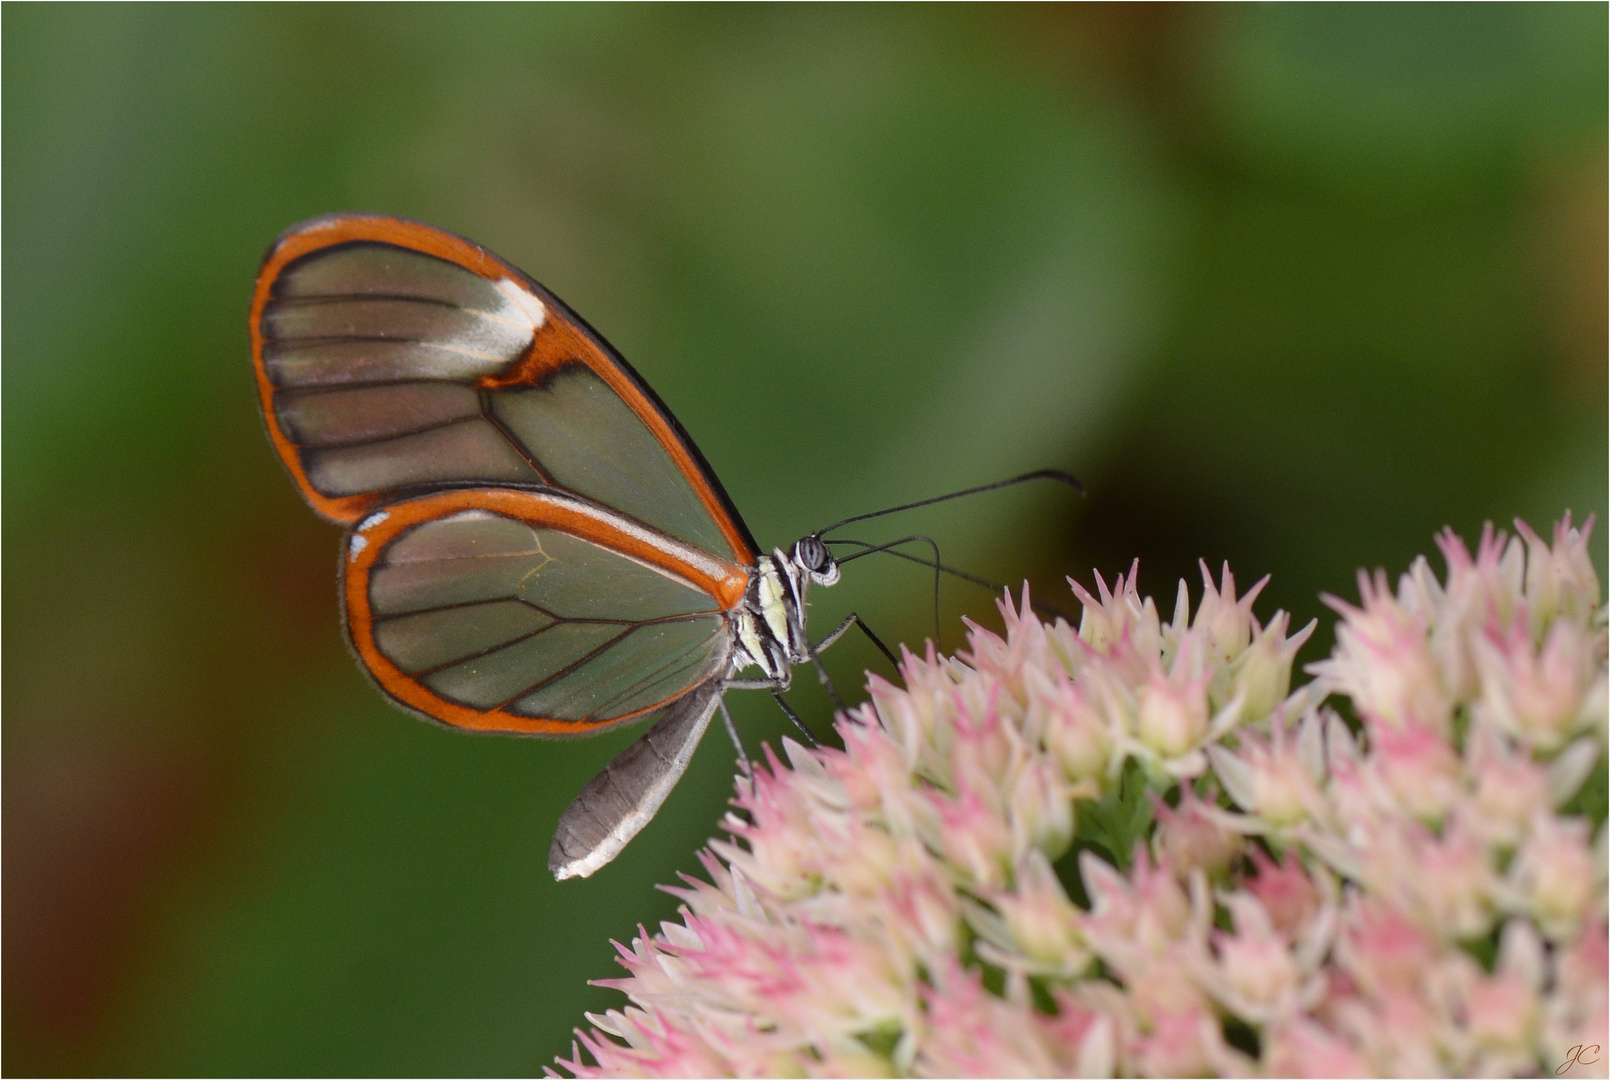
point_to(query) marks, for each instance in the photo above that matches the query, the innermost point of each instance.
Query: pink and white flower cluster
(1133, 849)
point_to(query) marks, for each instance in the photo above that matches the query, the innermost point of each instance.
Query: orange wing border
(725, 582)
(564, 338)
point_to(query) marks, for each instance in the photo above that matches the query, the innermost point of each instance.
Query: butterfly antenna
(1039, 474)
(994, 586)
(873, 549)
(891, 549)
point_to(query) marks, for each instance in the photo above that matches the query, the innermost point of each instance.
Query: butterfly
(534, 544)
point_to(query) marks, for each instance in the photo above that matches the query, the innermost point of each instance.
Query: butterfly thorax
(771, 619)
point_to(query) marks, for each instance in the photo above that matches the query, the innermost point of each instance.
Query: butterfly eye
(812, 555)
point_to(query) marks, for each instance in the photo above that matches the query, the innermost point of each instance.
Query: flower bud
(1075, 730)
(1188, 838)
(1537, 697)
(1254, 962)
(1384, 661)
(1556, 873)
(1042, 807)
(1419, 767)
(1171, 718)
(1043, 922)
(1286, 892)
(1228, 621)
(1560, 580)
(1501, 1012)
(975, 839)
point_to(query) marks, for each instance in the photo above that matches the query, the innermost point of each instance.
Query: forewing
(394, 358)
(531, 612)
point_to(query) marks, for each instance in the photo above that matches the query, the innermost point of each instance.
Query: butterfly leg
(844, 627)
(827, 683)
(815, 652)
(777, 696)
(737, 743)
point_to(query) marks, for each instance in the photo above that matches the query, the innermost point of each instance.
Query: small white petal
(1316, 940)
(1103, 882)
(1098, 1053)
(1571, 768)
(680, 936)
(1520, 949)
(1311, 746)
(801, 760)
(1227, 717)
(747, 904)
(1340, 745)
(1235, 775)
(1336, 852)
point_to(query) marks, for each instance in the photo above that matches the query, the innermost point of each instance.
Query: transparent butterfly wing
(531, 612)
(394, 358)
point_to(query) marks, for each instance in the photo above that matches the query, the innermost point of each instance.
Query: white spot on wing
(529, 305)
(372, 520)
(358, 544)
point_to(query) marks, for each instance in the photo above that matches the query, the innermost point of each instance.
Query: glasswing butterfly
(534, 544)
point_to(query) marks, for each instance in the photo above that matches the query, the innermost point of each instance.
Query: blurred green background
(1292, 286)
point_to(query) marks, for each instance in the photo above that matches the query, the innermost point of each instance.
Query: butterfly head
(811, 556)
